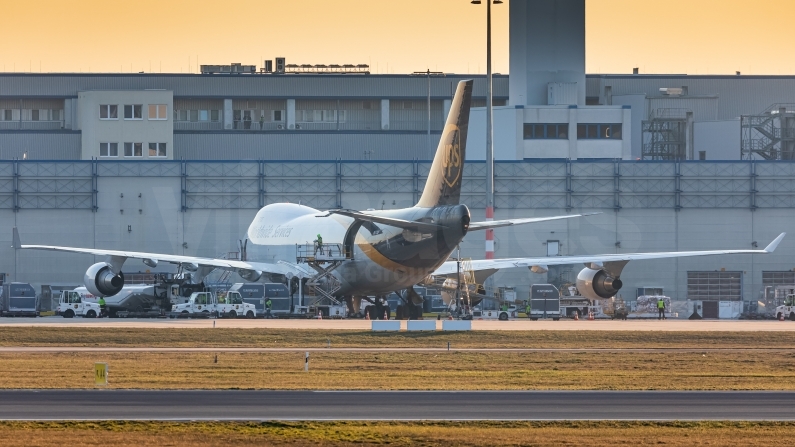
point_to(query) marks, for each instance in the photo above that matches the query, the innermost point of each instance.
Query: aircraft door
(350, 238)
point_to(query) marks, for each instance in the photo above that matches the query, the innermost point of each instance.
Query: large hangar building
(180, 163)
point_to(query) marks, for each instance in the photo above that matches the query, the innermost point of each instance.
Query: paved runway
(393, 405)
(673, 325)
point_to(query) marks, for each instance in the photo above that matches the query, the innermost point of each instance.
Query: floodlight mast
(489, 133)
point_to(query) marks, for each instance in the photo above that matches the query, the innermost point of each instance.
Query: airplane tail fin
(444, 179)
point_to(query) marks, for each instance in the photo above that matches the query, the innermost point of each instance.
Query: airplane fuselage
(384, 258)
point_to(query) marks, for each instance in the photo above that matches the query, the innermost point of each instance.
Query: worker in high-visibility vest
(102, 308)
(268, 307)
(661, 309)
(319, 244)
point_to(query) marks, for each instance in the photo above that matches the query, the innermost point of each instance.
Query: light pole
(489, 132)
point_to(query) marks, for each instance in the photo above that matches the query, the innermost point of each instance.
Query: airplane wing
(507, 222)
(119, 256)
(450, 267)
(400, 223)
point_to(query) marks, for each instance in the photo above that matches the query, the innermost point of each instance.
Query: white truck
(510, 313)
(787, 310)
(206, 304)
(72, 304)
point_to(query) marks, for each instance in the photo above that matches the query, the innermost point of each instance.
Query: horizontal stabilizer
(399, 223)
(487, 225)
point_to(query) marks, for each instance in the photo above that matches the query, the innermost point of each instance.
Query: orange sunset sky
(393, 36)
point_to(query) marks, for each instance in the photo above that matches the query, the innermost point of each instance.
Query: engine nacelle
(595, 284)
(250, 275)
(101, 281)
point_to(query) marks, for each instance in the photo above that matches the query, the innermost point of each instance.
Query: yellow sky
(394, 36)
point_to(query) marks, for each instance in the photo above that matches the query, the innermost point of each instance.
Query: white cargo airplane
(384, 251)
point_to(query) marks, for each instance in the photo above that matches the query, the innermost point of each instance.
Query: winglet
(771, 247)
(16, 242)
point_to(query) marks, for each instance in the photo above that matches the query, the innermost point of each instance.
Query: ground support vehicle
(328, 311)
(73, 304)
(18, 299)
(617, 309)
(503, 314)
(544, 302)
(577, 307)
(231, 305)
(206, 305)
(258, 293)
(146, 300)
(787, 310)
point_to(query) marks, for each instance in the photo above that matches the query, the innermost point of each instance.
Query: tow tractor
(72, 304)
(205, 305)
(787, 310)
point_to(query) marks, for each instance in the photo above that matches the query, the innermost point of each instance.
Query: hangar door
(714, 286)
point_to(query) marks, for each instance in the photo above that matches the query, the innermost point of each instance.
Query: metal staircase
(324, 259)
(224, 276)
(665, 135)
(769, 135)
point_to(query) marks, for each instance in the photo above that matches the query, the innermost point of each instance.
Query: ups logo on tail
(452, 162)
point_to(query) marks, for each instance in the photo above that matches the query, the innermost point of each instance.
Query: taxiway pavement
(393, 405)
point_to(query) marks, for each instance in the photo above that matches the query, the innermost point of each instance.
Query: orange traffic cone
(386, 315)
(590, 316)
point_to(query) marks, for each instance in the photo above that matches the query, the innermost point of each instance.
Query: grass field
(584, 434)
(743, 370)
(277, 338)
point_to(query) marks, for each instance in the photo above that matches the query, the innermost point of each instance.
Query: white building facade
(130, 125)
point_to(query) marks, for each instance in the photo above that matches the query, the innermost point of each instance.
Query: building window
(214, 116)
(194, 115)
(598, 131)
(108, 112)
(108, 149)
(157, 149)
(158, 112)
(276, 115)
(408, 105)
(546, 131)
(204, 115)
(133, 112)
(133, 149)
(7, 115)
